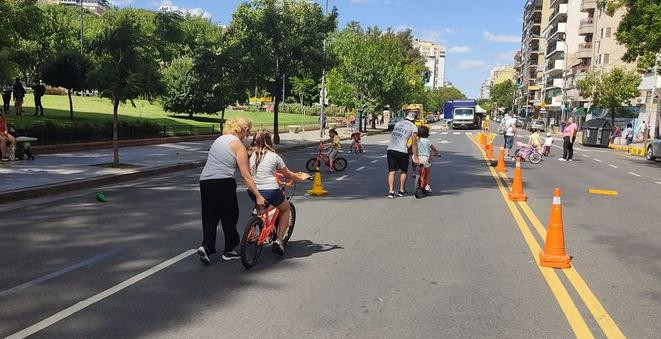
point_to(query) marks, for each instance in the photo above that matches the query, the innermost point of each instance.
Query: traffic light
(425, 77)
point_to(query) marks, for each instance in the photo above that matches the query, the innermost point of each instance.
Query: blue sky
(478, 34)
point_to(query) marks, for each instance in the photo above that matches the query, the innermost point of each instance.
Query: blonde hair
(237, 125)
(261, 143)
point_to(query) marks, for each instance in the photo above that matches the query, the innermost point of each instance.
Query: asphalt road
(455, 264)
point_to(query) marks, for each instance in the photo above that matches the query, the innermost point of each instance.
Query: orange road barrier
(317, 187)
(489, 148)
(500, 168)
(554, 254)
(517, 185)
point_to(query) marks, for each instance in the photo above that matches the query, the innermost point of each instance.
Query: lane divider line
(611, 165)
(658, 182)
(597, 160)
(567, 305)
(342, 178)
(635, 174)
(585, 155)
(98, 297)
(360, 168)
(375, 161)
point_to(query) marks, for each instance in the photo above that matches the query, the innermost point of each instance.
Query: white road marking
(384, 141)
(444, 142)
(436, 127)
(360, 168)
(456, 133)
(444, 133)
(58, 273)
(597, 160)
(635, 174)
(65, 313)
(611, 165)
(384, 156)
(433, 133)
(658, 182)
(375, 161)
(342, 178)
(585, 155)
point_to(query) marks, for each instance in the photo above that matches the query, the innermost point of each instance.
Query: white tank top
(221, 161)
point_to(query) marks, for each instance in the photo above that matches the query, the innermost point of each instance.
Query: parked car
(538, 124)
(430, 119)
(393, 121)
(654, 149)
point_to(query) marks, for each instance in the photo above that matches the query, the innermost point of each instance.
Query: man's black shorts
(398, 161)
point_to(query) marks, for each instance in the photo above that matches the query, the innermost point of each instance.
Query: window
(608, 32)
(598, 59)
(606, 58)
(601, 33)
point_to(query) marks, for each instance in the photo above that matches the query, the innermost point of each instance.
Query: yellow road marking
(573, 316)
(602, 192)
(606, 323)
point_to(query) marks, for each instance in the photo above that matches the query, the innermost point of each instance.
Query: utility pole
(323, 88)
(283, 88)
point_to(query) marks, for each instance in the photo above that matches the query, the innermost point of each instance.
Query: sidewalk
(61, 172)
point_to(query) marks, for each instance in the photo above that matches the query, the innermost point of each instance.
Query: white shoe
(570, 160)
(562, 159)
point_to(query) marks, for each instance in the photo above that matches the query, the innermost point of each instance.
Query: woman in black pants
(218, 189)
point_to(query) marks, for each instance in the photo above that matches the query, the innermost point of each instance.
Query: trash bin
(597, 132)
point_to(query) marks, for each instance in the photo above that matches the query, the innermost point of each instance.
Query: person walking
(628, 134)
(39, 90)
(6, 98)
(397, 153)
(218, 189)
(510, 132)
(568, 137)
(19, 94)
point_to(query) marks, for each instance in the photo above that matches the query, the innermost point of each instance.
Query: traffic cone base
(500, 167)
(317, 187)
(517, 197)
(554, 254)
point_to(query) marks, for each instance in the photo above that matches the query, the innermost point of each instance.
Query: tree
(125, 63)
(611, 89)
(182, 90)
(280, 39)
(639, 30)
(436, 98)
(502, 94)
(69, 69)
(13, 31)
(486, 104)
(304, 88)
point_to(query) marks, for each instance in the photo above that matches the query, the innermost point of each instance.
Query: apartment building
(536, 17)
(434, 55)
(94, 6)
(485, 89)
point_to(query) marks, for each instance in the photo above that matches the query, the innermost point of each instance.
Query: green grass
(97, 111)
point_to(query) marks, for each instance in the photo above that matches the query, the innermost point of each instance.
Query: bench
(23, 148)
(294, 128)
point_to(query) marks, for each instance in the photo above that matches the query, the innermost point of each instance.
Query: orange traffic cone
(517, 185)
(500, 168)
(317, 187)
(489, 148)
(483, 139)
(554, 254)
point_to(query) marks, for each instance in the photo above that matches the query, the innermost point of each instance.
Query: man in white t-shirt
(398, 155)
(510, 132)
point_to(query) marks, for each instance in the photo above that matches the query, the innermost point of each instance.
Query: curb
(75, 185)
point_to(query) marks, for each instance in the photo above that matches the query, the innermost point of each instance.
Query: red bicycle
(339, 164)
(262, 228)
(419, 174)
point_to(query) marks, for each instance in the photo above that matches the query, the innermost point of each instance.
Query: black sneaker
(278, 247)
(231, 255)
(391, 195)
(402, 193)
(202, 254)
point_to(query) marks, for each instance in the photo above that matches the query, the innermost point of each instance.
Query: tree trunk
(222, 120)
(70, 105)
(612, 118)
(374, 120)
(276, 109)
(115, 141)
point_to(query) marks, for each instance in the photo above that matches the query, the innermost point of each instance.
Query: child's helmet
(548, 134)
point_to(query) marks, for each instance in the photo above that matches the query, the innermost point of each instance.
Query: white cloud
(472, 64)
(488, 36)
(448, 30)
(167, 5)
(459, 49)
(509, 57)
(401, 28)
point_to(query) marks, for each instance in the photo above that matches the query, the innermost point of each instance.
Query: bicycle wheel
(250, 249)
(312, 165)
(535, 158)
(340, 164)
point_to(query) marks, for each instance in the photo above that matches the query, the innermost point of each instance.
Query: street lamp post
(323, 88)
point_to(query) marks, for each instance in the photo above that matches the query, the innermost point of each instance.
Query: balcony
(560, 27)
(584, 50)
(559, 14)
(555, 66)
(557, 83)
(586, 26)
(556, 47)
(588, 5)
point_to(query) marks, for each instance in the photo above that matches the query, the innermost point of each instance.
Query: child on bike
(425, 150)
(356, 145)
(334, 147)
(264, 163)
(548, 141)
(535, 140)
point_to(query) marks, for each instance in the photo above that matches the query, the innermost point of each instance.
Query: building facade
(94, 6)
(536, 15)
(434, 55)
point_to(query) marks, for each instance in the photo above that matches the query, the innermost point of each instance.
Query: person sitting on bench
(6, 139)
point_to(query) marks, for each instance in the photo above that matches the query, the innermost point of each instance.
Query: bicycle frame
(269, 223)
(321, 156)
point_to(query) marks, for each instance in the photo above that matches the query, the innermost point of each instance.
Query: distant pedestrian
(568, 138)
(548, 142)
(510, 132)
(616, 134)
(19, 95)
(6, 98)
(218, 189)
(642, 130)
(628, 134)
(38, 90)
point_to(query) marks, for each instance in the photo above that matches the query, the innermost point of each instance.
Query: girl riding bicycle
(264, 164)
(333, 147)
(425, 151)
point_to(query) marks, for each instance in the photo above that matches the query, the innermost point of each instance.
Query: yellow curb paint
(599, 313)
(601, 192)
